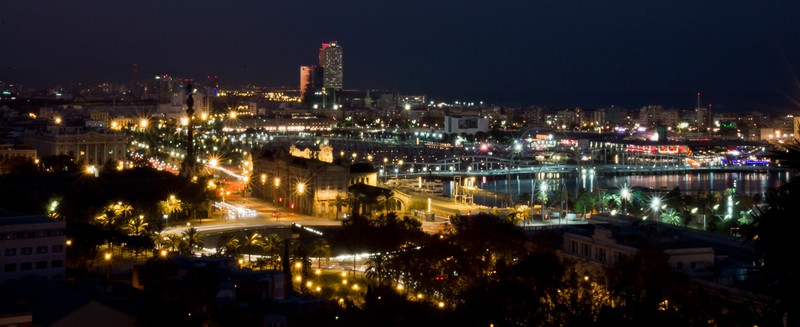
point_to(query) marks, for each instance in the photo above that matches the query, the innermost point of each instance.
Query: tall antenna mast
(698, 100)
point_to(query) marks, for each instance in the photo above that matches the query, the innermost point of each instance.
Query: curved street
(267, 215)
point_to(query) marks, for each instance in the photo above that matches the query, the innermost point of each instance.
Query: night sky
(741, 54)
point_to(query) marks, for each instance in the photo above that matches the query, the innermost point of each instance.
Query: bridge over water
(492, 166)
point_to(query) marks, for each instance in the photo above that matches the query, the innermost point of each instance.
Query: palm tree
(106, 220)
(171, 205)
(387, 195)
(339, 202)
(250, 241)
(584, 202)
(172, 242)
(610, 200)
(320, 248)
(519, 214)
(402, 262)
(376, 267)
(273, 244)
(192, 240)
(672, 217)
(228, 246)
(136, 225)
(122, 209)
(110, 215)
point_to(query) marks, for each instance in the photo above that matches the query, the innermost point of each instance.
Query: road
(265, 218)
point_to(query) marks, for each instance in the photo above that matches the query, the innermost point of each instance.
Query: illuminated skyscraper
(330, 58)
(311, 88)
(305, 77)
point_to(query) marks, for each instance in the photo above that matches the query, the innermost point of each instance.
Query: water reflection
(744, 183)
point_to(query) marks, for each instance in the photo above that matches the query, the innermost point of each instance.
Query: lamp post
(543, 197)
(301, 189)
(655, 204)
(277, 183)
(263, 182)
(107, 259)
(625, 194)
(399, 166)
(694, 211)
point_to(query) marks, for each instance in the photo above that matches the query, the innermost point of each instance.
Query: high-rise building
(311, 84)
(796, 128)
(305, 77)
(330, 58)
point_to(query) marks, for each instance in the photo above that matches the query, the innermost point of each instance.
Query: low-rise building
(9, 151)
(605, 246)
(468, 125)
(31, 245)
(312, 184)
(86, 145)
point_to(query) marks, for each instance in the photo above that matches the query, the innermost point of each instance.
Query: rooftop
(20, 220)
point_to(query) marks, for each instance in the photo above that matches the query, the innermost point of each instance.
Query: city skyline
(584, 54)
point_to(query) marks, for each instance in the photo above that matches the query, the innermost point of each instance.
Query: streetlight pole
(626, 195)
(655, 205)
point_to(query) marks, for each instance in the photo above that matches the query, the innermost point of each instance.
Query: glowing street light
(625, 194)
(655, 204)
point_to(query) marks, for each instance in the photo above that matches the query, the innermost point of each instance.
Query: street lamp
(277, 183)
(301, 189)
(625, 194)
(399, 165)
(107, 258)
(263, 181)
(655, 204)
(543, 197)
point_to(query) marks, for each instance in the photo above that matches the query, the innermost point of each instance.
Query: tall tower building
(305, 77)
(330, 59)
